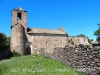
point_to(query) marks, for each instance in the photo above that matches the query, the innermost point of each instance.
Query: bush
(72, 43)
(69, 41)
(15, 54)
(4, 42)
(98, 39)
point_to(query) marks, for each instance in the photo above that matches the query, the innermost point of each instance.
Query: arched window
(84, 39)
(19, 16)
(46, 44)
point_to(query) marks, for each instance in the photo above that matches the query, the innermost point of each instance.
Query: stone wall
(18, 30)
(18, 39)
(85, 58)
(23, 17)
(78, 40)
(46, 42)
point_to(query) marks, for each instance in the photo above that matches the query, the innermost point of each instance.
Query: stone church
(34, 40)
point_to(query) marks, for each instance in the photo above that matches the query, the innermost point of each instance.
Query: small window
(46, 43)
(19, 16)
(84, 39)
(77, 39)
(71, 40)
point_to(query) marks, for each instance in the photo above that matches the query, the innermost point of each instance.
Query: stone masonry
(47, 39)
(18, 29)
(78, 40)
(33, 40)
(84, 58)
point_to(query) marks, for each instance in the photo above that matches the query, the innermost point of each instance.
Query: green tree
(81, 35)
(90, 40)
(97, 33)
(7, 43)
(4, 42)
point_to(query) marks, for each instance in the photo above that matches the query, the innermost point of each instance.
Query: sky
(75, 16)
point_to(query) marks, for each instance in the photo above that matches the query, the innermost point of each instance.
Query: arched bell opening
(19, 16)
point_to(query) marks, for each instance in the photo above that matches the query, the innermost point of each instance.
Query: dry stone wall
(84, 58)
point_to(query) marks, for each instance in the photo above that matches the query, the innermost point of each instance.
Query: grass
(35, 65)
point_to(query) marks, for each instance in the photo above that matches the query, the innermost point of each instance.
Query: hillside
(35, 65)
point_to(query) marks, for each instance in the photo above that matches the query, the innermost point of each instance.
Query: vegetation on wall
(71, 41)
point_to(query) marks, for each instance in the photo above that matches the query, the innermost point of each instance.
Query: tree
(7, 43)
(97, 33)
(80, 35)
(4, 42)
(90, 40)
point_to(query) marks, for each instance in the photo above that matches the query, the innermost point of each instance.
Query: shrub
(15, 54)
(72, 43)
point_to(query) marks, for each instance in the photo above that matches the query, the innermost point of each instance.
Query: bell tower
(19, 16)
(18, 31)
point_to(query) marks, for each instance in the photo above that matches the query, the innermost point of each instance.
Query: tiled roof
(40, 30)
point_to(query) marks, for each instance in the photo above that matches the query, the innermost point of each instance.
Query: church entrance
(28, 48)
